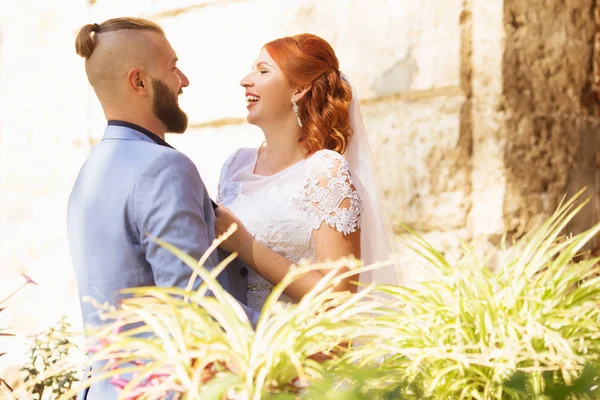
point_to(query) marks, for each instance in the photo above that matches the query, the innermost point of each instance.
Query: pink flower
(28, 279)
(100, 345)
(119, 382)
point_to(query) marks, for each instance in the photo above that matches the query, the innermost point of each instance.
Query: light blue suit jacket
(130, 187)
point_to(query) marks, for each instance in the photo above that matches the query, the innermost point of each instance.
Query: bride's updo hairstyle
(307, 60)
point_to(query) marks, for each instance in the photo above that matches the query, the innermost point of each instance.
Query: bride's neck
(281, 149)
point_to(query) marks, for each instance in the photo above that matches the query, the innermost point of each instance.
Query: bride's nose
(246, 81)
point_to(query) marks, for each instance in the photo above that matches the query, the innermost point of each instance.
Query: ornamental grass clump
(463, 335)
(198, 346)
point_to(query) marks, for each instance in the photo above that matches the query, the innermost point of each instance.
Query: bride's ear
(300, 93)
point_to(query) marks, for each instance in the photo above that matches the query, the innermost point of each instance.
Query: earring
(295, 107)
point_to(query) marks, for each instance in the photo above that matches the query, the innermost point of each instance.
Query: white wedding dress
(282, 210)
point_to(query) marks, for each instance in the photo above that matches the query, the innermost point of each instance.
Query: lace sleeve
(224, 175)
(332, 195)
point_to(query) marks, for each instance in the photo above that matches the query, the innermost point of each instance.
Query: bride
(309, 191)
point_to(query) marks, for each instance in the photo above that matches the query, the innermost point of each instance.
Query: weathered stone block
(547, 71)
(422, 160)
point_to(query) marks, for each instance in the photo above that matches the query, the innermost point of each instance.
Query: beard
(166, 108)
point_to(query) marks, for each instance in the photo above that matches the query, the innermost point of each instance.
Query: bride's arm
(335, 216)
(330, 244)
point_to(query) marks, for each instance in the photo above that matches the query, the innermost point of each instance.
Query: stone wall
(550, 127)
(534, 115)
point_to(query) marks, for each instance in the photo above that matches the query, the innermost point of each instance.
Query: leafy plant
(353, 383)
(586, 386)
(162, 341)
(464, 335)
(5, 388)
(525, 331)
(48, 355)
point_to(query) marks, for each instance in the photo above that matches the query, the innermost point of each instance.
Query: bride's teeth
(252, 98)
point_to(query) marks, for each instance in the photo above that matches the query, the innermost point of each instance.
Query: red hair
(306, 60)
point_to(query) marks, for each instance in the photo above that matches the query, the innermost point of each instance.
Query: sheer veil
(377, 238)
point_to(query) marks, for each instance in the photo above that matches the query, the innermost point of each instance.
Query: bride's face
(268, 93)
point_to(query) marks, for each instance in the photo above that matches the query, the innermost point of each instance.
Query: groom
(133, 184)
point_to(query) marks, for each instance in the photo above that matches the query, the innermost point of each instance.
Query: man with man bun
(134, 186)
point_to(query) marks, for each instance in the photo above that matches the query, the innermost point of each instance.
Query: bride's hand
(241, 236)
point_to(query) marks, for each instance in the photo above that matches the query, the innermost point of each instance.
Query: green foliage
(464, 335)
(526, 330)
(48, 354)
(586, 386)
(5, 388)
(170, 340)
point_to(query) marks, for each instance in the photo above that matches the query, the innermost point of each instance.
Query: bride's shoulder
(325, 154)
(326, 159)
(236, 160)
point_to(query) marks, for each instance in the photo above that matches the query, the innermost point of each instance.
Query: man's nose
(185, 82)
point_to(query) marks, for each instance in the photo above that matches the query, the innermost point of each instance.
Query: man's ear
(138, 81)
(300, 92)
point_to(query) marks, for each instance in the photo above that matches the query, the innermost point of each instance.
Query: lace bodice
(282, 210)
